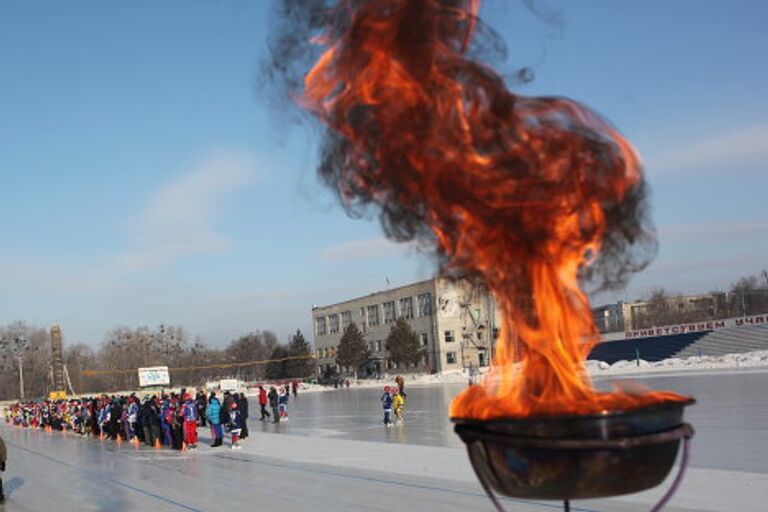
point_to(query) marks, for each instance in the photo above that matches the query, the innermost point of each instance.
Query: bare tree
(657, 311)
(24, 353)
(741, 294)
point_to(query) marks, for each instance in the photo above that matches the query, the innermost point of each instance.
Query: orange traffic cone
(135, 441)
(119, 439)
(157, 444)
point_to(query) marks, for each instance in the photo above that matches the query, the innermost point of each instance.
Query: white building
(455, 322)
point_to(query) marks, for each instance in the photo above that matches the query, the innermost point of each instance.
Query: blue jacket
(213, 412)
(386, 401)
(190, 410)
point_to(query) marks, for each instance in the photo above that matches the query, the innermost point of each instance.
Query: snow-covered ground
(334, 454)
(295, 473)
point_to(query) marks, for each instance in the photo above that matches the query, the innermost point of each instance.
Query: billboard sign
(154, 376)
(230, 385)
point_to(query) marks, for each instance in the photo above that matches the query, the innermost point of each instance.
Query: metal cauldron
(576, 456)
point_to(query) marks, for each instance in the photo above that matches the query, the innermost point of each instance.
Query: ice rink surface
(333, 454)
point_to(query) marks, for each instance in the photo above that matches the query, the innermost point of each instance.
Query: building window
(424, 339)
(406, 308)
(389, 312)
(450, 357)
(333, 321)
(425, 304)
(449, 337)
(373, 315)
(346, 319)
(378, 346)
(320, 326)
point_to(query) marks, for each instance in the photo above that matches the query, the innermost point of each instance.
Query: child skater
(235, 425)
(283, 403)
(386, 403)
(398, 402)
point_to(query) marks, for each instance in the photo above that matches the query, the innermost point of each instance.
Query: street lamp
(17, 349)
(21, 377)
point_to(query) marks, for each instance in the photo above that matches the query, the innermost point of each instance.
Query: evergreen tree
(353, 352)
(277, 369)
(299, 347)
(403, 344)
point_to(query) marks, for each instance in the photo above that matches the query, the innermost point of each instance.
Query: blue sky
(144, 181)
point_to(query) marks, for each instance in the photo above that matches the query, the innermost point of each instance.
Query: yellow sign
(57, 395)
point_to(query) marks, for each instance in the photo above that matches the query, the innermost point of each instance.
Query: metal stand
(656, 508)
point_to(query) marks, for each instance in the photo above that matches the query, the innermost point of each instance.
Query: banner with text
(154, 376)
(671, 330)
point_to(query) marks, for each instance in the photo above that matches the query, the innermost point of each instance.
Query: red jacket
(262, 396)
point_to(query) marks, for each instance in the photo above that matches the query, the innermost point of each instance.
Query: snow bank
(757, 359)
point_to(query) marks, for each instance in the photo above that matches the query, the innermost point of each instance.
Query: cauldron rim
(557, 418)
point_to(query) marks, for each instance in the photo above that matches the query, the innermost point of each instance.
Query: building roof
(409, 285)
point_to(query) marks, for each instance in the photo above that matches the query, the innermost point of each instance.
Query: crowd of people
(171, 420)
(166, 420)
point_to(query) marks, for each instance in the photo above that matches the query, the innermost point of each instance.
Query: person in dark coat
(145, 418)
(115, 418)
(242, 407)
(3, 458)
(141, 423)
(177, 427)
(154, 420)
(202, 404)
(94, 410)
(273, 403)
(226, 404)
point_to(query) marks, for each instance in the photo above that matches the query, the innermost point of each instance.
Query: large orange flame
(527, 194)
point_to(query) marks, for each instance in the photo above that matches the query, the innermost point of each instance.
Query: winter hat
(387, 389)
